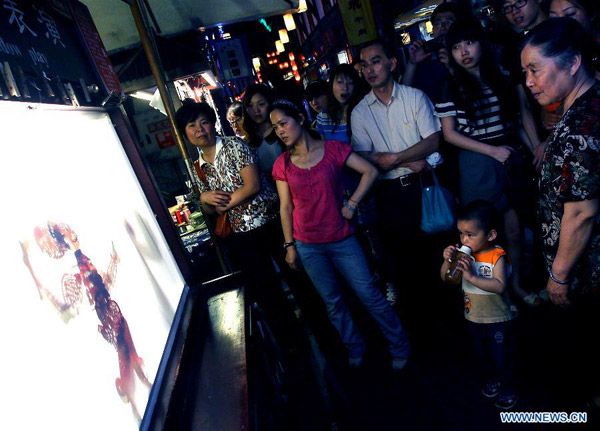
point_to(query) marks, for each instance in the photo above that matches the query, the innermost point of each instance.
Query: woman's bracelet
(556, 280)
(286, 245)
(350, 207)
(353, 201)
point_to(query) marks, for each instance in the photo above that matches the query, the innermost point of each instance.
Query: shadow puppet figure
(55, 240)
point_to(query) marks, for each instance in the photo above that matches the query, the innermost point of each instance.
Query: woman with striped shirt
(479, 115)
(343, 95)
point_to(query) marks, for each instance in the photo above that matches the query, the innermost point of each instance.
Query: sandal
(533, 300)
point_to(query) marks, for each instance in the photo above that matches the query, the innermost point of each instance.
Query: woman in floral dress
(557, 58)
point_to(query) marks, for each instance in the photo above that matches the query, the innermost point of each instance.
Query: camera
(434, 45)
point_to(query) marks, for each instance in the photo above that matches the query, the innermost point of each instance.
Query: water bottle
(453, 274)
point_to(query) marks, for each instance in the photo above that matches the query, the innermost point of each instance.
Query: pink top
(317, 194)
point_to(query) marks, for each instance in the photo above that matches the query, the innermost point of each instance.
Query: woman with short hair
(231, 183)
(234, 115)
(557, 60)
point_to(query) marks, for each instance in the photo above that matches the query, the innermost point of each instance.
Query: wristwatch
(288, 244)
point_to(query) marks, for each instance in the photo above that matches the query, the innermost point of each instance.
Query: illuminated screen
(89, 285)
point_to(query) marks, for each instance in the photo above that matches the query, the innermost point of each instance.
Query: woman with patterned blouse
(558, 68)
(557, 59)
(233, 184)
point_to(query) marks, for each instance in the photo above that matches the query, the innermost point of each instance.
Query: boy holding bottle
(485, 276)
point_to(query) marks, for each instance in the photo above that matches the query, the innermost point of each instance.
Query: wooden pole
(158, 73)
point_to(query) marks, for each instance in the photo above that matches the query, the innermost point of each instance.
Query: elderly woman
(230, 182)
(557, 58)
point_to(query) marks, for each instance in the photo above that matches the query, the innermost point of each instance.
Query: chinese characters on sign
(358, 21)
(51, 29)
(354, 5)
(17, 17)
(234, 58)
(89, 33)
(46, 43)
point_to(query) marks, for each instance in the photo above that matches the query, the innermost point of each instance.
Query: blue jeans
(320, 262)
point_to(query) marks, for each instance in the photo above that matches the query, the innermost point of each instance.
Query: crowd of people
(510, 124)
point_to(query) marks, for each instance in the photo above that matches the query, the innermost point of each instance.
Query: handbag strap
(436, 183)
(200, 172)
(435, 179)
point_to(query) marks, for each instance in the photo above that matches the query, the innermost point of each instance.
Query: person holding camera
(428, 63)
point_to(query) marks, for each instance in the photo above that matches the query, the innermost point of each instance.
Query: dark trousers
(574, 339)
(494, 345)
(398, 206)
(251, 253)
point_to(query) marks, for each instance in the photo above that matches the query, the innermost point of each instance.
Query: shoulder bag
(437, 207)
(222, 226)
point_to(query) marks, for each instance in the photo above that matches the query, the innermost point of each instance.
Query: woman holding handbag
(231, 185)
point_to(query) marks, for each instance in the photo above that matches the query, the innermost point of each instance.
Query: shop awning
(417, 14)
(117, 29)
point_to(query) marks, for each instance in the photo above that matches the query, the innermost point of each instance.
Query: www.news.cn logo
(543, 417)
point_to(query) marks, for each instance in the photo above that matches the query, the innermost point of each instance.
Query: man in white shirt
(393, 126)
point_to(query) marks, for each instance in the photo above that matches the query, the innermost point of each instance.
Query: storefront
(326, 46)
